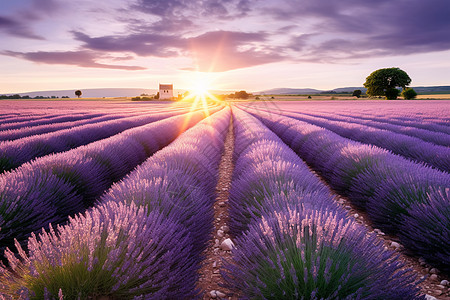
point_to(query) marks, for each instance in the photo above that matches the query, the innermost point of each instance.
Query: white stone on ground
(444, 282)
(395, 245)
(220, 233)
(434, 277)
(227, 245)
(220, 294)
(429, 297)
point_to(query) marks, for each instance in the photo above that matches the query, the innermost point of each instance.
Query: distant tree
(78, 93)
(309, 97)
(241, 95)
(384, 82)
(157, 95)
(357, 93)
(409, 94)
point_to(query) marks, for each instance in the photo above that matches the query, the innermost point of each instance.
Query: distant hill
(300, 91)
(288, 91)
(94, 93)
(103, 92)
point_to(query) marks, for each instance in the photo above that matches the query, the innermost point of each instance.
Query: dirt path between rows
(210, 279)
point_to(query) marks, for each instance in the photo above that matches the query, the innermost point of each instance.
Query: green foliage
(78, 93)
(357, 93)
(141, 98)
(392, 94)
(241, 95)
(409, 94)
(309, 97)
(383, 82)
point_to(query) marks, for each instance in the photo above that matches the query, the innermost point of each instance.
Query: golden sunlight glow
(199, 95)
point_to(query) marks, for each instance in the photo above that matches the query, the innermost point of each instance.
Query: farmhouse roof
(166, 86)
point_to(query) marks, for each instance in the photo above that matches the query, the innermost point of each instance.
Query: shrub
(392, 94)
(357, 93)
(114, 250)
(409, 94)
(315, 255)
(419, 232)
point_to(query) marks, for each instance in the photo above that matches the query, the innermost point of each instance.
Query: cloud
(184, 10)
(354, 28)
(214, 51)
(220, 51)
(86, 59)
(142, 44)
(20, 24)
(16, 28)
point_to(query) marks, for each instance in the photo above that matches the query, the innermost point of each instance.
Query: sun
(201, 88)
(199, 97)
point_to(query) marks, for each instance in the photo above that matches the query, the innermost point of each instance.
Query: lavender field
(325, 200)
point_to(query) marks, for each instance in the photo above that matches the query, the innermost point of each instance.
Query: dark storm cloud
(17, 28)
(77, 58)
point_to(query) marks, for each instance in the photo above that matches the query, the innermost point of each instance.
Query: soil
(210, 277)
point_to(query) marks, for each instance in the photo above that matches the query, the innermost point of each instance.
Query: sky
(251, 45)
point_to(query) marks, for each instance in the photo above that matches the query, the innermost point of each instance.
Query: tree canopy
(383, 82)
(409, 94)
(78, 93)
(357, 93)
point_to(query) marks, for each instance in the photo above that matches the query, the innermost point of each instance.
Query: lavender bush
(410, 147)
(426, 229)
(114, 250)
(315, 255)
(14, 153)
(86, 171)
(386, 185)
(29, 130)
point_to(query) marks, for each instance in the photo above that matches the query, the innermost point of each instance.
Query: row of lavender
(426, 120)
(16, 152)
(414, 148)
(437, 134)
(21, 120)
(401, 197)
(51, 188)
(293, 239)
(143, 239)
(29, 129)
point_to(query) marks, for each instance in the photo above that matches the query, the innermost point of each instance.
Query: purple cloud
(354, 28)
(220, 51)
(86, 59)
(214, 51)
(142, 44)
(16, 28)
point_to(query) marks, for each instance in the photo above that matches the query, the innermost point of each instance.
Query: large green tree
(384, 82)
